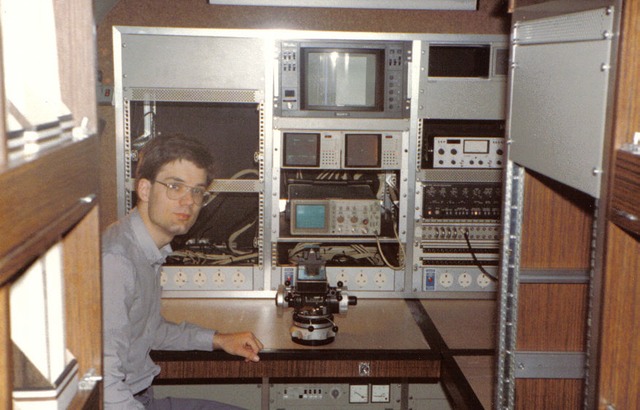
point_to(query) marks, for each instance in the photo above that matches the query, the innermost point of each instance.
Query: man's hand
(243, 344)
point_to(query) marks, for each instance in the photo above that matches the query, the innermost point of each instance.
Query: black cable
(475, 259)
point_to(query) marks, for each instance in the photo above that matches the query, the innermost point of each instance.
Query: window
(36, 116)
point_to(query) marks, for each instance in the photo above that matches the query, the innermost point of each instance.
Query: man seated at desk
(172, 176)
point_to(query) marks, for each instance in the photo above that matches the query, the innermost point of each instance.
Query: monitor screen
(459, 61)
(362, 150)
(342, 79)
(301, 149)
(310, 216)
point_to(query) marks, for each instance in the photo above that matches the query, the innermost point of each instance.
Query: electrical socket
(465, 279)
(445, 279)
(380, 279)
(342, 277)
(361, 279)
(200, 278)
(483, 280)
(180, 278)
(218, 278)
(238, 279)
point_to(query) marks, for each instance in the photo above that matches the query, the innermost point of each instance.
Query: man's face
(170, 217)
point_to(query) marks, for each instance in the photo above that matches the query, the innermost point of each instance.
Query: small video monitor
(310, 216)
(301, 149)
(362, 150)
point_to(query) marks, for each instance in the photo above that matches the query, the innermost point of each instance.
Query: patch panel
(458, 279)
(206, 278)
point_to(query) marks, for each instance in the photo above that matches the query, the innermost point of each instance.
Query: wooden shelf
(625, 200)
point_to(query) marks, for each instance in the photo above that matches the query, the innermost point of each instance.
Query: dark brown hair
(165, 149)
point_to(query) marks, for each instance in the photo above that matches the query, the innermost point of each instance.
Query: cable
(200, 258)
(404, 256)
(234, 176)
(475, 259)
(237, 233)
(386, 262)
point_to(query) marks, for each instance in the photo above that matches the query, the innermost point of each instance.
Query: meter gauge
(380, 393)
(359, 393)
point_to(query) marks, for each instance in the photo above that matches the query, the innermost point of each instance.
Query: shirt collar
(148, 246)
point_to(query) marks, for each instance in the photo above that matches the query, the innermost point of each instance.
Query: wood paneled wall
(3, 149)
(619, 344)
(557, 225)
(620, 340)
(6, 377)
(77, 60)
(550, 394)
(552, 317)
(82, 245)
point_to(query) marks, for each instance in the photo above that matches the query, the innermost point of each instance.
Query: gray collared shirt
(133, 324)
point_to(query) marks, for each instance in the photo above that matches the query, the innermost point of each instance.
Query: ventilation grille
(453, 175)
(583, 26)
(194, 95)
(235, 185)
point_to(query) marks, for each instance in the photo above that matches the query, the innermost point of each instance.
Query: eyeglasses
(178, 190)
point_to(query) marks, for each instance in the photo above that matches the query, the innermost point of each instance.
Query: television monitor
(362, 150)
(359, 79)
(301, 149)
(335, 79)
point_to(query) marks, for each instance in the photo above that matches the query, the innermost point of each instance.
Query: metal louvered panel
(235, 185)
(194, 95)
(583, 26)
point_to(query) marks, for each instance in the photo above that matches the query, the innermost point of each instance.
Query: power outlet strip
(366, 279)
(458, 279)
(370, 279)
(206, 278)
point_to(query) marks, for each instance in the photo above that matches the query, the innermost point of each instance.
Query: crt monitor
(343, 79)
(310, 217)
(337, 79)
(362, 150)
(301, 149)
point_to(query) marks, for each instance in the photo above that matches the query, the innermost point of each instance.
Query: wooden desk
(467, 331)
(380, 333)
(392, 339)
